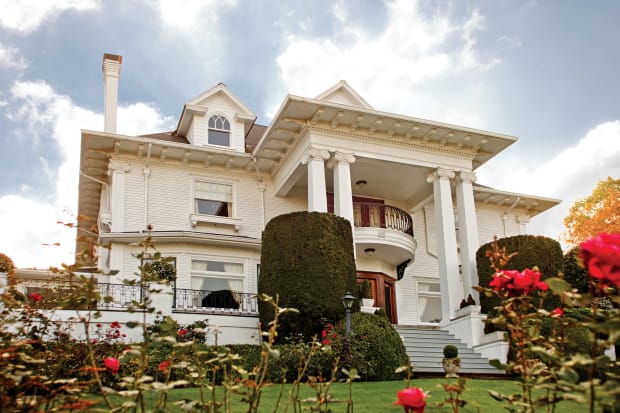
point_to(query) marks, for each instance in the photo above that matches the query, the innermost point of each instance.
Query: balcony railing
(224, 300)
(367, 214)
(121, 295)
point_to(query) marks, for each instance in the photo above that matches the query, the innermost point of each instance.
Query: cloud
(572, 174)
(390, 68)
(192, 14)
(30, 221)
(10, 58)
(25, 16)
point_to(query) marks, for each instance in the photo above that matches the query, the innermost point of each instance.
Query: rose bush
(601, 257)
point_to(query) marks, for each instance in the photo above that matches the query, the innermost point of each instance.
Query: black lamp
(347, 301)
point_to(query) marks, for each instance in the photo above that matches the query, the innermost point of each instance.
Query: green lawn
(379, 396)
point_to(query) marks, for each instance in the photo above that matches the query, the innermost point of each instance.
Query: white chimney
(111, 72)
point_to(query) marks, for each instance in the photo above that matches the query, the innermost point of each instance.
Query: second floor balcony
(368, 214)
(383, 232)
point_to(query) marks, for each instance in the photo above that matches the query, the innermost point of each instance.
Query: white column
(317, 192)
(468, 231)
(451, 292)
(343, 195)
(117, 199)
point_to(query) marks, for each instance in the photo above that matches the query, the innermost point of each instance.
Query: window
(429, 302)
(219, 131)
(213, 199)
(220, 283)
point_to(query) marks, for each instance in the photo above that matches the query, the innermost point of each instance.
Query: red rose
(601, 257)
(323, 333)
(115, 324)
(112, 364)
(412, 399)
(163, 366)
(35, 297)
(183, 332)
(326, 342)
(518, 283)
(557, 312)
(500, 280)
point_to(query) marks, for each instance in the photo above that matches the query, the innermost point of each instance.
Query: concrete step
(425, 349)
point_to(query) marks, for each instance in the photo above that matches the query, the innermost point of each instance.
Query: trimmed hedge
(533, 251)
(307, 260)
(576, 275)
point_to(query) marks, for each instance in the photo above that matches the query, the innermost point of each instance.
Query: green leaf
(558, 285)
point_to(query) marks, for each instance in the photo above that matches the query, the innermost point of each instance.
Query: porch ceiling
(383, 180)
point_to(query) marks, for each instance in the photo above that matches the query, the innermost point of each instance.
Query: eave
(298, 114)
(184, 237)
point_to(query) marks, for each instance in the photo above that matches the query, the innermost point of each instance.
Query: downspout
(427, 232)
(147, 173)
(505, 216)
(261, 189)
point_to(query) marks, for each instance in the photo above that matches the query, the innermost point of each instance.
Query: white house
(407, 185)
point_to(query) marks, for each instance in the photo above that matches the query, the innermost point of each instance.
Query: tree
(599, 212)
(6, 263)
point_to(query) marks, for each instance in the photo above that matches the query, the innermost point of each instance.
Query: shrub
(576, 275)
(365, 290)
(306, 260)
(376, 349)
(532, 251)
(450, 351)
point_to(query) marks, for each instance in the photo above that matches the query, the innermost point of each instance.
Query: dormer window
(219, 131)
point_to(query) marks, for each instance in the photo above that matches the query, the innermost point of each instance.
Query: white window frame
(219, 117)
(196, 218)
(221, 275)
(426, 294)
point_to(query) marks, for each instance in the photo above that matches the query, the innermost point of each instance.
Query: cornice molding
(416, 144)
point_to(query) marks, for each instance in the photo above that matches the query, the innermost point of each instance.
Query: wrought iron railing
(367, 214)
(225, 300)
(121, 295)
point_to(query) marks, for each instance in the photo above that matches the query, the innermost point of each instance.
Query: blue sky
(546, 72)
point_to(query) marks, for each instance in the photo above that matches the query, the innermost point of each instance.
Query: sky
(544, 71)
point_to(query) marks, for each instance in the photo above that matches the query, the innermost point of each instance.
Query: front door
(382, 292)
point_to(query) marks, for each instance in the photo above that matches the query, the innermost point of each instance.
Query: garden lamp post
(347, 301)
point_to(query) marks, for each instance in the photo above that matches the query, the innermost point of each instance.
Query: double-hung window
(219, 131)
(220, 283)
(429, 302)
(212, 198)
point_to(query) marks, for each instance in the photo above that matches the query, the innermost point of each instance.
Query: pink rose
(112, 364)
(601, 257)
(557, 312)
(412, 399)
(518, 282)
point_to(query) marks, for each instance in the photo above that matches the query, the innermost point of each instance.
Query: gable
(343, 94)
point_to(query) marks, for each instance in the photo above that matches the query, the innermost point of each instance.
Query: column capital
(440, 173)
(523, 219)
(344, 157)
(467, 177)
(315, 154)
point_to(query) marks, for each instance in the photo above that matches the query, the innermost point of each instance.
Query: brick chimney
(111, 73)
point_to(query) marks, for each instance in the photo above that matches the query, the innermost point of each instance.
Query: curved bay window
(219, 131)
(383, 292)
(220, 281)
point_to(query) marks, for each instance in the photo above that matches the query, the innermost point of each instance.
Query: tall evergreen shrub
(533, 251)
(307, 260)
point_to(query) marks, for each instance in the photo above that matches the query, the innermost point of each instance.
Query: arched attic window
(219, 131)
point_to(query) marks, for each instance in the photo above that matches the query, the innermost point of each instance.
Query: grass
(376, 396)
